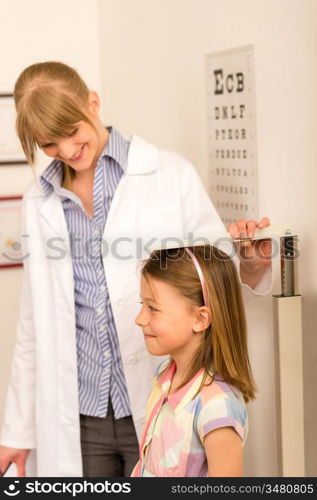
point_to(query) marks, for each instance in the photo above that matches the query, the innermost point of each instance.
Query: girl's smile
(147, 336)
(168, 320)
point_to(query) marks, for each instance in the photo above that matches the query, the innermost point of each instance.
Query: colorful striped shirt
(100, 369)
(176, 424)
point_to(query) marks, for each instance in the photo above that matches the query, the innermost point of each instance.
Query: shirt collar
(178, 399)
(51, 178)
(116, 148)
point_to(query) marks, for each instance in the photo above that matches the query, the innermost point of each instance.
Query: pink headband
(201, 276)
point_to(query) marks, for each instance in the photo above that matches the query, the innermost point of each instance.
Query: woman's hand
(254, 255)
(14, 455)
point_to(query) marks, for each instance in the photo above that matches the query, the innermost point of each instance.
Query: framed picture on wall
(10, 238)
(11, 152)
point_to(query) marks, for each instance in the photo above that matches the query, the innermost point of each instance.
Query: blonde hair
(224, 343)
(50, 98)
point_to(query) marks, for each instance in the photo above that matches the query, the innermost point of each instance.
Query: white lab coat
(160, 195)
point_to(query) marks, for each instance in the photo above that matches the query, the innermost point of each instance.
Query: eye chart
(232, 159)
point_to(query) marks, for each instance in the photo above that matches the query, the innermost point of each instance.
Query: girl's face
(170, 323)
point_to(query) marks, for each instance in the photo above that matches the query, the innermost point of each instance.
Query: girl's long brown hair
(223, 348)
(50, 99)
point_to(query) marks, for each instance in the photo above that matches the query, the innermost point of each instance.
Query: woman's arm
(223, 448)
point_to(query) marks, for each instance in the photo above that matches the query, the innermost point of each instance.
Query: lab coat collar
(143, 157)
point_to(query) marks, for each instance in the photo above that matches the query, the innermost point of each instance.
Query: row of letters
(230, 134)
(231, 154)
(239, 172)
(232, 206)
(220, 188)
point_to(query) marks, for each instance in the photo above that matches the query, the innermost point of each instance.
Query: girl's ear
(202, 319)
(93, 102)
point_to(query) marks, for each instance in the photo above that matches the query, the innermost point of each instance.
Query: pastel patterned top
(176, 424)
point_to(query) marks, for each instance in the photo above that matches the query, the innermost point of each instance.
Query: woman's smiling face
(79, 150)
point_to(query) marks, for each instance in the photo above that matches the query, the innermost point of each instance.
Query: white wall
(30, 32)
(154, 85)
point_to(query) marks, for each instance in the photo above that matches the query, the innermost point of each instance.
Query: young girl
(192, 310)
(80, 371)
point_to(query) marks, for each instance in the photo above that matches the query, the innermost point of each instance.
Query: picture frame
(10, 244)
(11, 152)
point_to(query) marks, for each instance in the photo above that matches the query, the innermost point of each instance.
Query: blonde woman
(192, 310)
(80, 372)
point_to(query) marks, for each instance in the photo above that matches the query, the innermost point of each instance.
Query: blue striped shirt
(100, 369)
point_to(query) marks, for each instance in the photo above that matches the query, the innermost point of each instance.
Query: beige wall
(30, 32)
(154, 85)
